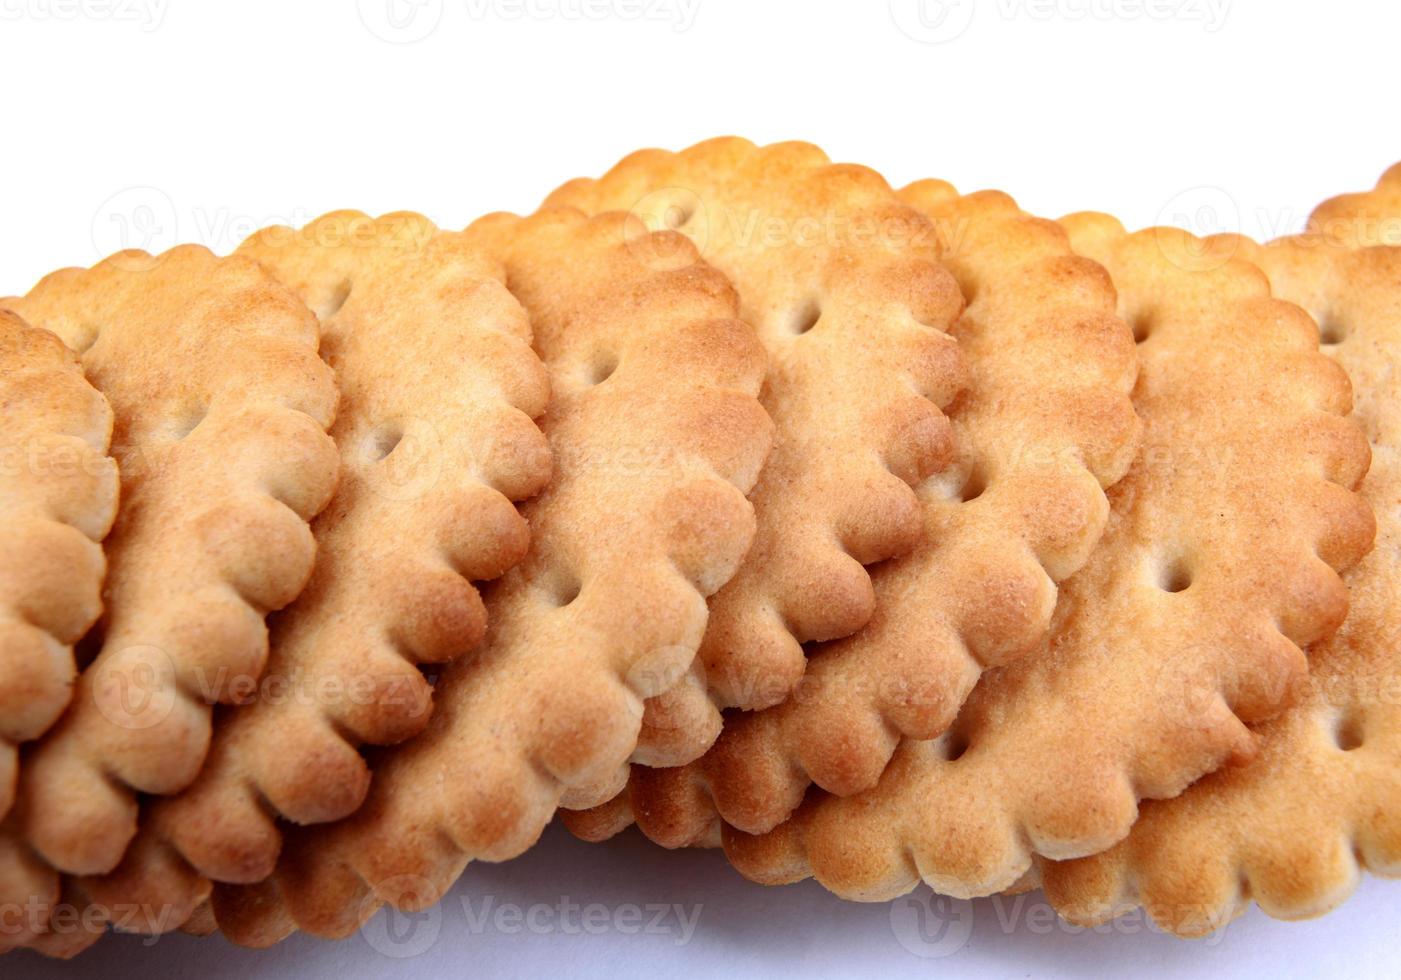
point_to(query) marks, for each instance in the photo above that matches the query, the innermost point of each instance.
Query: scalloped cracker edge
(221, 406)
(1294, 830)
(1044, 427)
(658, 434)
(431, 464)
(840, 280)
(58, 498)
(1220, 562)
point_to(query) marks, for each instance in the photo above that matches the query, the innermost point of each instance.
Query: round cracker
(1220, 562)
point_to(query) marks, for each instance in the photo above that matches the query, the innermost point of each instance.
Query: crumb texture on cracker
(1221, 560)
(1293, 830)
(657, 434)
(58, 499)
(1045, 425)
(840, 280)
(220, 408)
(439, 392)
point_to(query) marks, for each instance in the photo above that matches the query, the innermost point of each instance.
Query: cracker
(154, 891)
(1045, 426)
(1368, 217)
(439, 389)
(437, 439)
(27, 884)
(658, 434)
(58, 498)
(840, 281)
(1322, 802)
(221, 406)
(1219, 563)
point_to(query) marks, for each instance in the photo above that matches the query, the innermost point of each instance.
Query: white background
(145, 122)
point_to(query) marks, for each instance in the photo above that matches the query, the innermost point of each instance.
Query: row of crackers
(878, 537)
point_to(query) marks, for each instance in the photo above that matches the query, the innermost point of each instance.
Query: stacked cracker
(880, 537)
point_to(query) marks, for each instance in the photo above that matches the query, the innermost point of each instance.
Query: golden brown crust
(1293, 830)
(602, 822)
(1366, 218)
(58, 498)
(72, 913)
(840, 281)
(658, 434)
(26, 883)
(201, 922)
(1219, 562)
(439, 389)
(220, 406)
(1045, 425)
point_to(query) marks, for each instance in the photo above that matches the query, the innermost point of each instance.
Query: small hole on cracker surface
(1174, 576)
(1348, 732)
(385, 440)
(1142, 328)
(974, 485)
(805, 318)
(971, 286)
(190, 422)
(602, 369)
(86, 338)
(336, 300)
(563, 590)
(1330, 331)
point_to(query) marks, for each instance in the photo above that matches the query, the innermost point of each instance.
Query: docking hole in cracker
(437, 439)
(840, 280)
(220, 407)
(1045, 425)
(1293, 830)
(645, 518)
(1246, 479)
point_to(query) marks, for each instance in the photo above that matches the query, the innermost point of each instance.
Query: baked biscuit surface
(58, 499)
(1293, 830)
(1219, 563)
(436, 435)
(220, 405)
(1045, 425)
(839, 279)
(1364, 218)
(657, 434)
